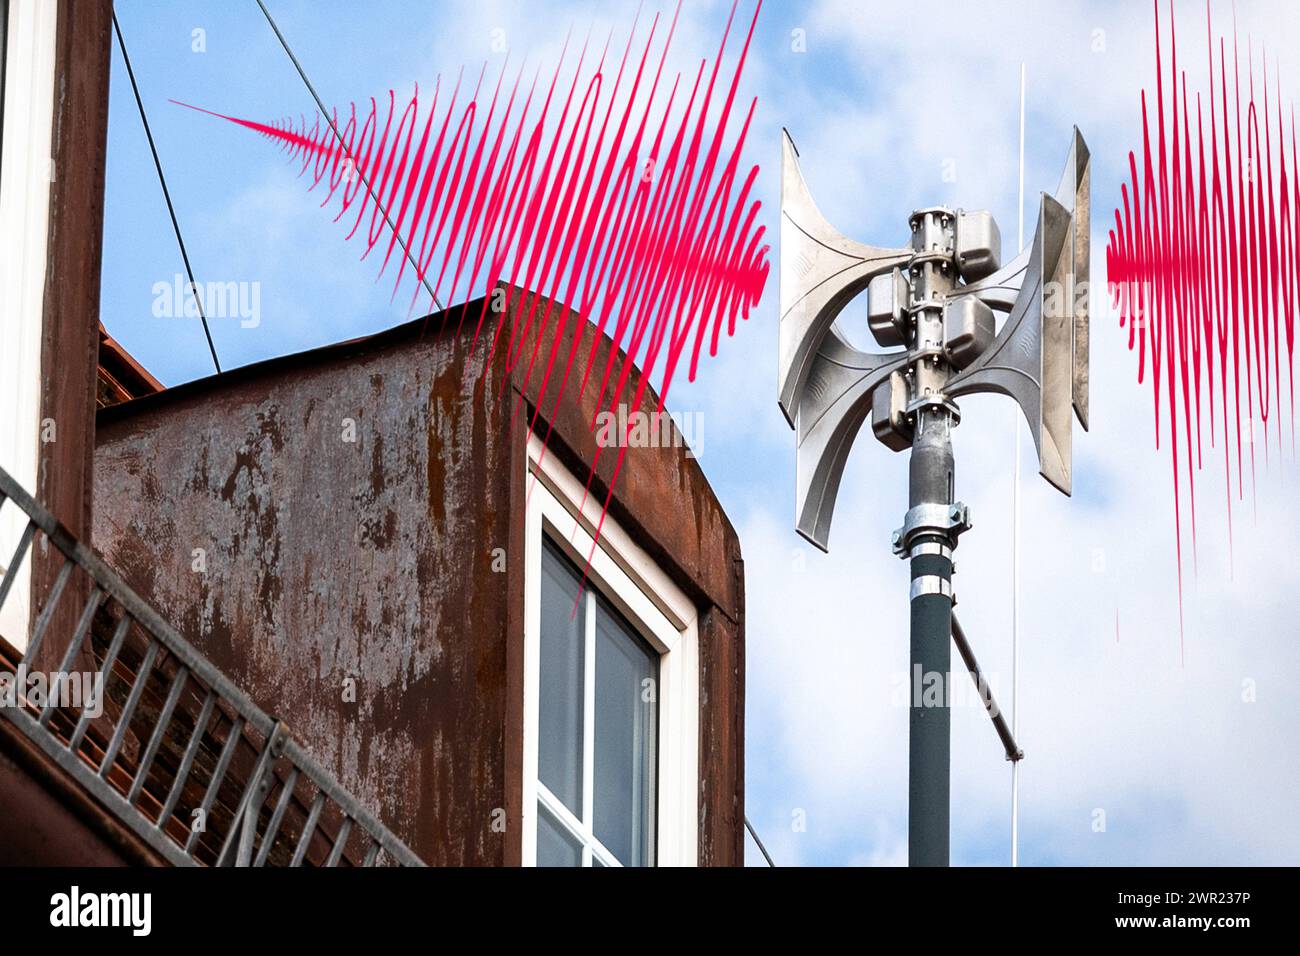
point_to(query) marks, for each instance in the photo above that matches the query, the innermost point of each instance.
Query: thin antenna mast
(1015, 524)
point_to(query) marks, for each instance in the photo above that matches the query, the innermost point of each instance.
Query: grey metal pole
(927, 539)
(929, 719)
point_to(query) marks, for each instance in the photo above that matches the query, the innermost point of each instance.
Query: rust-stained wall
(331, 563)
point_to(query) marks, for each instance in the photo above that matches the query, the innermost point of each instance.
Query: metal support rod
(1008, 739)
(759, 843)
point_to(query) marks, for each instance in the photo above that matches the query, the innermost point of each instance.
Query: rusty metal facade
(324, 528)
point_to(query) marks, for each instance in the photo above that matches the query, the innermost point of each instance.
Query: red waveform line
(1203, 262)
(617, 194)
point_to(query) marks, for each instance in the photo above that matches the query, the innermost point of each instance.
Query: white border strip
(26, 169)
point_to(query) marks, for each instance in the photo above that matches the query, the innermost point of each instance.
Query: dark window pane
(555, 845)
(559, 743)
(627, 674)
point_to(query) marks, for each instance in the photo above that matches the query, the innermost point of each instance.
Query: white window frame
(659, 611)
(26, 169)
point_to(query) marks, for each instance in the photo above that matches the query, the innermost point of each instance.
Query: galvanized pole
(927, 538)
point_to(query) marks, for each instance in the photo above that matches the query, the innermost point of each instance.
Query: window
(597, 750)
(610, 692)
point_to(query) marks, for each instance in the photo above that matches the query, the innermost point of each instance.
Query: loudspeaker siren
(1039, 358)
(1082, 301)
(1082, 278)
(889, 413)
(836, 375)
(821, 271)
(1077, 161)
(1030, 358)
(1057, 321)
(999, 290)
(835, 402)
(978, 244)
(887, 301)
(968, 330)
(1073, 192)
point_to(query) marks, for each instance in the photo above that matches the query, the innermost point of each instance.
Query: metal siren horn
(825, 385)
(1073, 194)
(1031, 360)
(839, 393)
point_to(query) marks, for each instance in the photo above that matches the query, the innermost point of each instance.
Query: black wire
(194, 289)
(355, 165)
(761, 849)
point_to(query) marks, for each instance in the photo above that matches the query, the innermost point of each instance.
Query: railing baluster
(308, 830)
(11, 570)
(218, 776)
(339, 841)
(128, 711)
(155, 739)
(250, 801)
(243, 848)
(65, 665)
(47, 612)
(106, 670)
(273, 825)
(183, 771)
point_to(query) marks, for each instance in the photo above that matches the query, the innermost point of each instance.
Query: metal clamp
(947, 520)
(939, 257)
(934, 401)
(929, 584)
(941, 548)
(923, 352)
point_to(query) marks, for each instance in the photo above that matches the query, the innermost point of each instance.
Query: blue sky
(1182, 769)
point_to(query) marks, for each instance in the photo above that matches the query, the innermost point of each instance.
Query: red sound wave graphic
(1203, 262)
(637, 216)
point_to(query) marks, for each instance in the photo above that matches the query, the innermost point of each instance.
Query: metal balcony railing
(167, 743)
